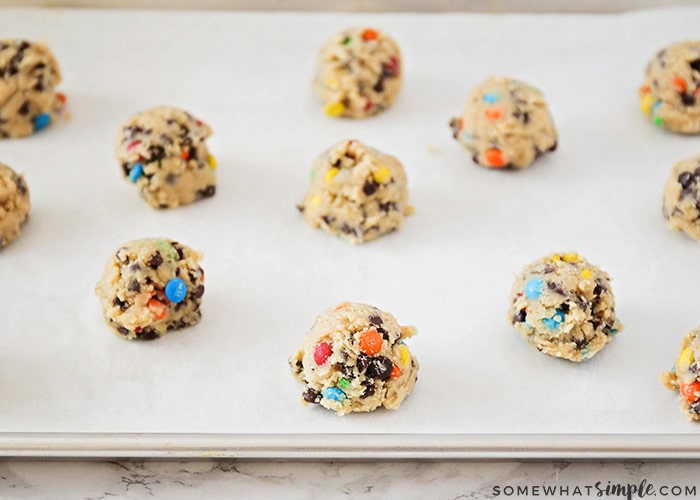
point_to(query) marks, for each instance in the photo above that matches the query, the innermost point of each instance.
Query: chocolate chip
(380, 367)
(554, 146)
(370, 389)
(388, 206)
(135, 267)
(311, 396)
(328, 219)
(156, 152)
(695, 64)
(170, 178)
(345, 228)
(520, 317)
(345, 369)
(581, 343)
(39, 86)
(24, 108)
(178, 249)
(120, 304)
(122, 330)
(155, 261)
(597, 290)
(134, 286)
(695, 407)
(526, 118)
(379, 86)
(198, 292)
(686, 179)
(147, 333)
(376, 320)
(363, 362)
(207, 192)
(21, 186)
(454, 125)
(564, 308)
(177, 325)
(687, 99)
(370, 187)
(693, 367)
(166, 139)
(126, 168)
(556, 288)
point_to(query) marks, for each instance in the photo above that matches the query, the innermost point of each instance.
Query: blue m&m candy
(136, 172)
(176, 290)
(555, 321)
(533, 288)
(334, 393)
(41, 121)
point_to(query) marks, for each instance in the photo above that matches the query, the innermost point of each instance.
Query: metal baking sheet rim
(349, 447)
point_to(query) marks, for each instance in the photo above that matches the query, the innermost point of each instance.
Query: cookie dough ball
(685, 376)
(151, 286)
(358, 73)
(681, 206)
(29, 75)
(354, 359)
(163, 152)
(356, 192)
(563, 305)
(669, 94)
(14, 204)
(505, 123)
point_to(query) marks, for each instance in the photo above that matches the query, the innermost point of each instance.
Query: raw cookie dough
(356, 192)
(162, 150)
(29, 75)
(354, 359)
(563, 305)
(14, 204)
(505, 123)
(681, 206)
(669, 94)
(358, 73)
(151, 286)
(685, 376)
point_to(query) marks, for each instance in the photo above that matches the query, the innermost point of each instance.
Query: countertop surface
(406, 480)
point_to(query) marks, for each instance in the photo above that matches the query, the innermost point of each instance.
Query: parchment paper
(448, 272)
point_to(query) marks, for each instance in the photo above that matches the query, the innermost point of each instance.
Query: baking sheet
(448, 271)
